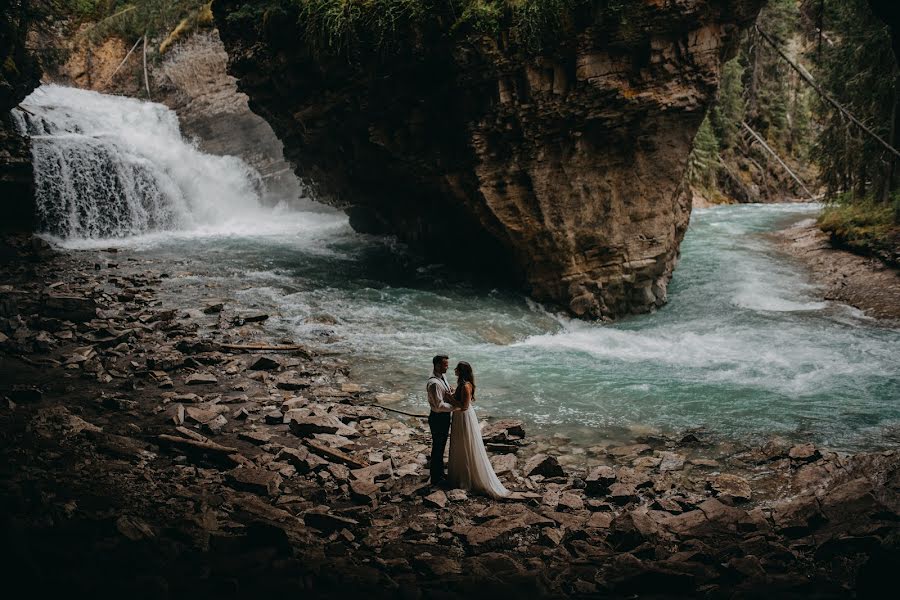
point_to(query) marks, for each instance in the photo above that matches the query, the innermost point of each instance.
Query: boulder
(544, 465)
(307, 426)
(258, 481)
(599, 479)
(732, 486)
(265, 363)
(503, 463)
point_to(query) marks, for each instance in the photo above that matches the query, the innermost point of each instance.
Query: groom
(439, 419)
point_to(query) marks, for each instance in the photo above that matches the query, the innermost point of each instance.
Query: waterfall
(110, 167)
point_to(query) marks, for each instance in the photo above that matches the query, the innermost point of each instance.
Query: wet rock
(250, 318)
(257, 438)
(622, 493)
(274, 418)
(551, 536)
(731, 486)
(265, 363)
(497, 530)
(364, 491)
(378, 472)
(291, 382)
(599, 479)
(631, 450)
(457, 495)
(307, 426)
(437, 499)
(671, 461)
(550, 499)
(69, 308)
(201, 379)
(302, 460)
(215, 425)
(803, 453)
(503, 430)
(571, 502)
(797, 517)
(258, 481)
(544, 465)
(599, 520)
(214, 309)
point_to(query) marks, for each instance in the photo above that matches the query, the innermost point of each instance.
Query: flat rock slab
(378, 472)
(631, 450)
(201, 379)
(307, 426)
(258, 481)
(437, 499)
(500, 527)
(255, 437)
(503, 463)
(733, 486)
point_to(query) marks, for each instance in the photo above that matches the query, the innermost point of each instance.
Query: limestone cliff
(560, 167)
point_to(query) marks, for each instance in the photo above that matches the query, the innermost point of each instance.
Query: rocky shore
(863, 282)
(151, 449)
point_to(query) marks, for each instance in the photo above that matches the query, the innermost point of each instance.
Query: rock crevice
(561, 167)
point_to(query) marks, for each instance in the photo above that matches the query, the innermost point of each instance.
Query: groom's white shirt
(437, 388)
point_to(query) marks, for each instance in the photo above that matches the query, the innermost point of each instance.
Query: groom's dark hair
(437, 359)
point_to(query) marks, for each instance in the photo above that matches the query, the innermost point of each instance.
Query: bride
(469, 467)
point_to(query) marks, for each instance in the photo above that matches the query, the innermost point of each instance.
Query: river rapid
(745, 348)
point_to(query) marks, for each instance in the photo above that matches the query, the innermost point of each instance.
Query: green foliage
(346, 27)
(354, 27)
(704, 160)
(863, 224)
(128, 19)
(859, 70)
(730, 106)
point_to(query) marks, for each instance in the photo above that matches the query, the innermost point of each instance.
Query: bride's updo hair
(466, 374)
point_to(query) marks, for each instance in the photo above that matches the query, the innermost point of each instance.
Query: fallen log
(172, 440)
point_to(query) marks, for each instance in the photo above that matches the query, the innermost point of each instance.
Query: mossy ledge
(546, 141)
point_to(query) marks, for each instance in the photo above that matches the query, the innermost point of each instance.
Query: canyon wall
(559, 169)
(19, 75)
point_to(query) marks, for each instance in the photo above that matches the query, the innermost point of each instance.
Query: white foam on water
(111, 167)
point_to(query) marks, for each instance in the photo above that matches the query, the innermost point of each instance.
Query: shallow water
(745, 347)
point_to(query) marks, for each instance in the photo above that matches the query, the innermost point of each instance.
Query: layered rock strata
(562, 167)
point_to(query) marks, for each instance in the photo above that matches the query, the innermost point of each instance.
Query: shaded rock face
(19, 75)
(562, 170)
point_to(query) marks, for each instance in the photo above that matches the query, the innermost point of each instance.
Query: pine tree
(859, 70)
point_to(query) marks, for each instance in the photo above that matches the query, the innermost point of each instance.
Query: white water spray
(112, 167)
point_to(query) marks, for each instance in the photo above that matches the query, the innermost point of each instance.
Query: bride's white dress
(469, 467)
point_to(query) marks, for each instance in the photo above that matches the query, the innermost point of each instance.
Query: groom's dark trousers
(439, 423)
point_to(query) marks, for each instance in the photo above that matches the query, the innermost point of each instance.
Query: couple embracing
(452, 415)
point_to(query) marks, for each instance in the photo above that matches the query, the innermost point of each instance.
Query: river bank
(862, 282)
(142, 450)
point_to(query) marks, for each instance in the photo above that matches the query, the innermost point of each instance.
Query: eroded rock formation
(561, 168)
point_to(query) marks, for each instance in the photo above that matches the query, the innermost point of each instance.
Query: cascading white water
(109, 166)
